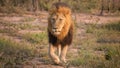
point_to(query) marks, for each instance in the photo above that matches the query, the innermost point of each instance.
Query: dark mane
(60, 4)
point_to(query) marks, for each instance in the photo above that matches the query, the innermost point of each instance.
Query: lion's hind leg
(53, 56)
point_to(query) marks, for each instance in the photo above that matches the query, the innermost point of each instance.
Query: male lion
(60, 31)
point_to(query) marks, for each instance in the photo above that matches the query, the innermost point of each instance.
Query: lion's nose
(54, 28)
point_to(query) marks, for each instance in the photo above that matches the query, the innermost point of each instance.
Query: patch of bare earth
(89, 19)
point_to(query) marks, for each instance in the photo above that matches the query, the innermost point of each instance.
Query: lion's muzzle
(56, 31)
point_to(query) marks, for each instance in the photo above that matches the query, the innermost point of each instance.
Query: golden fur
(60, 31)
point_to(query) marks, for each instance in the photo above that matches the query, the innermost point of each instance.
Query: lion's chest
(66, 40)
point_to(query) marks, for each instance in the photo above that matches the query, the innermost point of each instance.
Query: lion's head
(59, 20)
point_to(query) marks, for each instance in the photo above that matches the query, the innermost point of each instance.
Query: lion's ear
(68, 11)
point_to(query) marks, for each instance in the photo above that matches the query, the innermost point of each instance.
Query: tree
(59, 0)
(35, 5)
(113, 4)
(108, 5)
(102, 8)
(2, 3)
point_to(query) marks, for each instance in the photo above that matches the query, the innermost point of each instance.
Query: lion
(60, 31)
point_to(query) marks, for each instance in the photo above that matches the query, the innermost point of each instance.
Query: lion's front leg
(63, 53)
(59, 50)
(53, 56)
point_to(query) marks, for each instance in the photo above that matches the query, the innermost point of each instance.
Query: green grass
(112, 56)
(13, 53)
(24, 26)
(38, 38)
(28, 19)
(113, 26)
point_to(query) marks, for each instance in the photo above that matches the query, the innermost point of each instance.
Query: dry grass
(13, 53)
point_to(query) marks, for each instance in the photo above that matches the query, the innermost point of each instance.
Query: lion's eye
(60, 19)
(53, 19)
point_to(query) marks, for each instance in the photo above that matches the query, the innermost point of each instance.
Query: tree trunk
(2, 3)
(30, 5)
(108, 6)
(59, 0)
(118, 5)
(35, 5)
(102, 7)
(113, 4)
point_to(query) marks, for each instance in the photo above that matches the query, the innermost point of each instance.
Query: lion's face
(57, 22)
